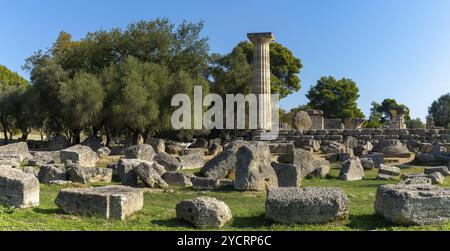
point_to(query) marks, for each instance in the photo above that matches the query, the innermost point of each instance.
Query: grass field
(247, 208)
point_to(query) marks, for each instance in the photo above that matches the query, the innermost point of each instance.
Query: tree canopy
(233, 72)
(336, 98)
(440, 111)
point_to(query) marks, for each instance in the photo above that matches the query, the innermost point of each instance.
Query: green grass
(247, 208)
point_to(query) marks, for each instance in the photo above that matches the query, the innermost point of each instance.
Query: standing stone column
(261, 77)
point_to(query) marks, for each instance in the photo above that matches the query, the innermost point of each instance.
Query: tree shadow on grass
(48, 211)
(172, 223)
(254, 221)
(368, 222)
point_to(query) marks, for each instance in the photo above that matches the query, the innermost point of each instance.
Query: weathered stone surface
(304, 161)
(302, 121)
(352, 170)
(441, 169)
(253, 170)
(80, 154)
(167, 161)
(103, 152)
(288, 175)
(214, 149)
(159, 145)
(322, 172)
(351, 142)
(60, 182)
(192, 161)
(77, 173)
(108, 202)
(93, 142)
(142, 151)
(381, 176)
(221, 166)
(306, 205)
(416, 180)
(235, 145)
(125, 171)
(20, 148)
(392, 148)
(177, 179)
(18, 189)
(377, 158)
(52, 172)
(389, 170)
(336, 151)
(413, 204)
(367, 163)
(58, 143)
(10, 159)
(45, 158)
(437, 178)
(204, 183)
(149, 176)
(31, 170)
(204, 212)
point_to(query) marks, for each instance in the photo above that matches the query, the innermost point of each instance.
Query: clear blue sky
(391, 48)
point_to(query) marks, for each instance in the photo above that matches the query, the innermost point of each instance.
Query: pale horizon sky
(391, 48)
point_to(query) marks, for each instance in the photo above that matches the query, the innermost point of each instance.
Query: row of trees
(119, 83)
(337, 99)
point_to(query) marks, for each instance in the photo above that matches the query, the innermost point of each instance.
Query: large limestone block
(221, 166)
(167, 161)
(413, 204)
(10, 159)
(204, 212)
(254, 171)
(18, 189)
(48, 173)
(125, 171)
(306, 205)
(192, 161)
(21, 148)
(142, 151)
(45, 158)
(149, 176)
(304, 161)
(302, 121)
(288, 175)
(108, 202)
(351, 170)
(392, 148)
(177, 179)
(83, 155)
(79, 174)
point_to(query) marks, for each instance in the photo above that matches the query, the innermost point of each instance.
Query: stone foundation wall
(364, 135)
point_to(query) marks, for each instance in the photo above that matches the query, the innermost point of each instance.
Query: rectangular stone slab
(18, 189)
(108, 202)
(413, 204)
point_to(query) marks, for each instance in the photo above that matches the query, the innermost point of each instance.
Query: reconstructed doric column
(261, 77)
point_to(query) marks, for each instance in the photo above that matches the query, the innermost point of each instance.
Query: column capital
(261, 37)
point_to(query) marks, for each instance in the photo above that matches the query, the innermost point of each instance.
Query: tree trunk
(24, 137)
(76, 137)
(5, 130)
(108, 136)
(136, 137)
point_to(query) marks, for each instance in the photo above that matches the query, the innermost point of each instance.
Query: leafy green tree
(386, 105)
(82, 102)
(375, 117)
(336, 98)
(284, 67)
(415, 123)
(440, 111)
(11, 85)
